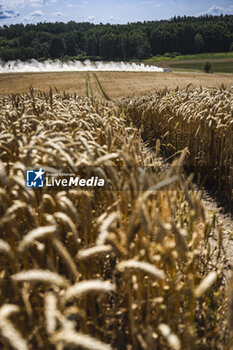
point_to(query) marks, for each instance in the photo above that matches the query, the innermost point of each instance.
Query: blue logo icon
(35, 178)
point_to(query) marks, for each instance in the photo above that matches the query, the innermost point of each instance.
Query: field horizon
(116, 84)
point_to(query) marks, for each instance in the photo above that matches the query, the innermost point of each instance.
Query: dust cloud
(76, 66)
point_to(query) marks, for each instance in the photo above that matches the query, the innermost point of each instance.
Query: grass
(216, 67)
(199, 56)
(88, 86)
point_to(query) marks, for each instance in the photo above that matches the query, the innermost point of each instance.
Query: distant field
(216, 67)
(115, 84)
(199, 56)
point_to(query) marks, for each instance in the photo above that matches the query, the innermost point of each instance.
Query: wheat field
(201, 120)
(129, 266)
(116, 85)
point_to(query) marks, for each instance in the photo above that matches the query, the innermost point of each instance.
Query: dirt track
(115, 84)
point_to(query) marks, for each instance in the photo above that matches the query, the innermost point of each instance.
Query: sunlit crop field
(115, 84)
(127, 266)
(199, 119)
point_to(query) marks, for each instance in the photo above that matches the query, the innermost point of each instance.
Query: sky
(106, 11)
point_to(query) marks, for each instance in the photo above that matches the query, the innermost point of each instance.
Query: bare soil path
(222, 221)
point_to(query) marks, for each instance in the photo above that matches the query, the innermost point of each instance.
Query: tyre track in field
(99, 87)
(222, 234)
(94, 88)
(88, 86)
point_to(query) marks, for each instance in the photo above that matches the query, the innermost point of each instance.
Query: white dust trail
(74, 66)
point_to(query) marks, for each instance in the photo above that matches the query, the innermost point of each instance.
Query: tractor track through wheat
(94, 87)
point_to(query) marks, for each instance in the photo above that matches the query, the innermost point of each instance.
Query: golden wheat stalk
(207, 283)
(50, 312)
(40, 276)
(94, 251)
(83, 287)
(134, 265)
(38, 233)
(65, 255)
(5, 248)
(104, 228)
(8, 331)
(64, 218)
(72, 338)
(171, 338)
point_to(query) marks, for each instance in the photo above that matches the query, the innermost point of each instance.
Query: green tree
(186, 35)
(199, 43)
(91, 44)
(108, 46)
(141, 45)
(207, 67)
(70, 44)
(124, 45)
(26, 38)
(57, 48)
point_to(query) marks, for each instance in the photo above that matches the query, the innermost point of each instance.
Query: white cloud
(230, 9)
(36, 3)
(5, 14)
(9, 4)
(215, 10)
(84, 4)
(36, 13)
(91, 18)
(33, 16)
(154, 3)
(148, 2)
(58, 13)
(73, 5)
(218, 10)
(13, 4)
(112, 18)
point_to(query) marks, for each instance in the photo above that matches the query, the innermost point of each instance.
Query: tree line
(140, 40)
